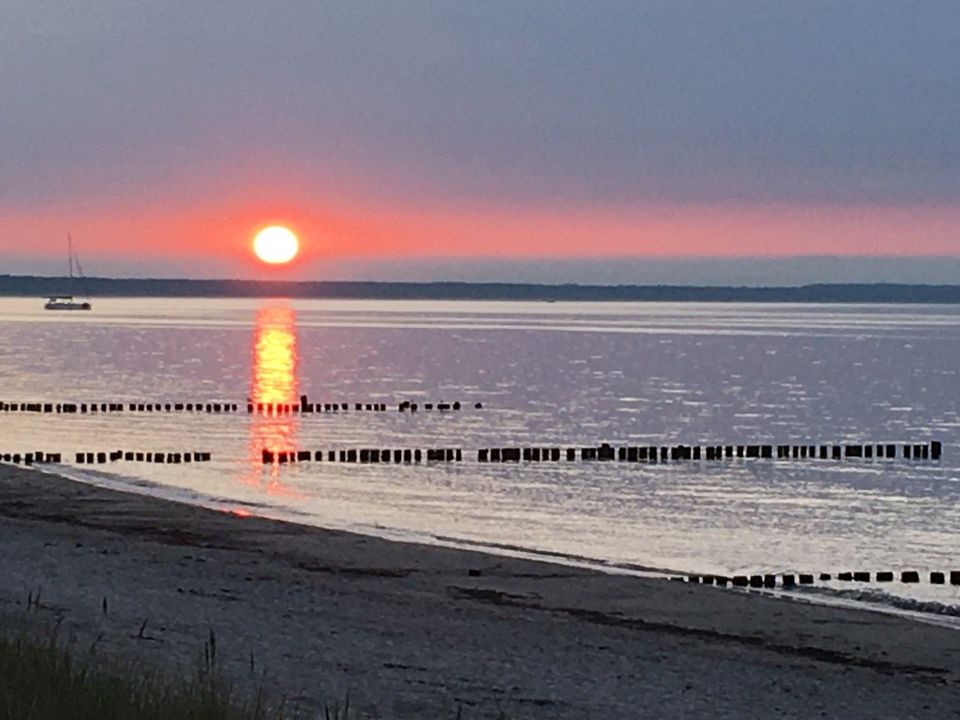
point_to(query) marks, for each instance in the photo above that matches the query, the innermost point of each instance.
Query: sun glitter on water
(276, 245)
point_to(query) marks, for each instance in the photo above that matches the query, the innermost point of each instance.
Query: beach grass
(41, 680)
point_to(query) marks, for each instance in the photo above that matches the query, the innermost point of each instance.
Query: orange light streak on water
(273, 381)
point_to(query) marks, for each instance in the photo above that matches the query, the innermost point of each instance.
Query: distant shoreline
(880, 293)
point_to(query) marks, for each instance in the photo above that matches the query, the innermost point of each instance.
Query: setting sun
(276, 245)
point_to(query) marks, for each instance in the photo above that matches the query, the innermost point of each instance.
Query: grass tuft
(40, 680)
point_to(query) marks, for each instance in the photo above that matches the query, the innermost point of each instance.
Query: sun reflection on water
(273, 381)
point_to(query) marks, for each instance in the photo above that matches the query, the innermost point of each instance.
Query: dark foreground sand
(415, 632)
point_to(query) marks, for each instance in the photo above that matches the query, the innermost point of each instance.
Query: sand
(415, 631)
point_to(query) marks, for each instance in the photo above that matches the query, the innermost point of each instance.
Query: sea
(530, 374)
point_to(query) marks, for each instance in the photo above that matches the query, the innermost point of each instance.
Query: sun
(276, 245)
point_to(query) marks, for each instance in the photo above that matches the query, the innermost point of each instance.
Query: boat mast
(70, 254)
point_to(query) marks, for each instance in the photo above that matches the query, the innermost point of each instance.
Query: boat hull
(67, 306)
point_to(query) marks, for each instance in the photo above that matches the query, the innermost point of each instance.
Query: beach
(413, 631)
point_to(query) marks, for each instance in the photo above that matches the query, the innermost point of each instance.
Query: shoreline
(926, 611)
(411, 630)
(881, 293)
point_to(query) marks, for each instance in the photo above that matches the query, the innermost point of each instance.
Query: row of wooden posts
(925, 451)
(102, 408)
(605, 452)
(364, 455)
(31, 458)
(789, 580)
(304, 407)
(173, 458)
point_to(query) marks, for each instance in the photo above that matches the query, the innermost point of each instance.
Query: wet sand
(414, 631)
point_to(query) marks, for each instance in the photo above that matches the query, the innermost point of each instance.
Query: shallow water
(553, 374)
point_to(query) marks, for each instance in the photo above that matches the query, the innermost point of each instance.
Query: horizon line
(504, 283)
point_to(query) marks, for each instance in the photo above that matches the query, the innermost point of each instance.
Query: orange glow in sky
(219, 236)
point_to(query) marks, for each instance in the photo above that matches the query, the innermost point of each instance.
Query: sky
(542, 140)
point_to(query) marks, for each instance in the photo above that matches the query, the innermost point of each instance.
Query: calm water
(547, 374)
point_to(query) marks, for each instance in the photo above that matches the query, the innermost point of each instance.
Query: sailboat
(67, 302)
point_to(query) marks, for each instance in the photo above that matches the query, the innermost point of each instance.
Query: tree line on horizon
(42, 286)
